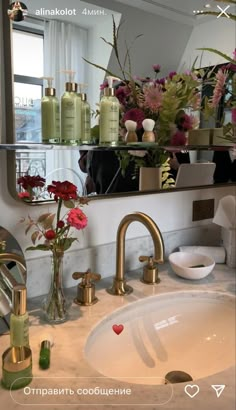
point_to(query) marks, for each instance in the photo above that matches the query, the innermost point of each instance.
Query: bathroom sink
(191, 332)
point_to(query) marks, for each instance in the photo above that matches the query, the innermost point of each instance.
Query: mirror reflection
(55, 42)
(12, 272)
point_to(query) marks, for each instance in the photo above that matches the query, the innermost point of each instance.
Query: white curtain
(64, 46)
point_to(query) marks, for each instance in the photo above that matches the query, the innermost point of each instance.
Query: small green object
(44, 356)
(197, 266)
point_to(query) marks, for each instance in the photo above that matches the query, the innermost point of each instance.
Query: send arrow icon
(219, 388)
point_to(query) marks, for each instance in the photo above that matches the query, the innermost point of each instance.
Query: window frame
(24, 78)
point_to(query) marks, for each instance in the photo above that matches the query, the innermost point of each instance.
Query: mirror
(94, 19)
(12, 271)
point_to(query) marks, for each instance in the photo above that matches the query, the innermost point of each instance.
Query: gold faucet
(119, 284)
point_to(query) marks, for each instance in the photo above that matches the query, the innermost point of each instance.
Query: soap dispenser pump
(86, 288)
(70, 112)
(150, 270)
(109, 115)
(50, 114)
(85, 116)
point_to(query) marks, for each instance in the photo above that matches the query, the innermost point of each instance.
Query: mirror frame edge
(9, 121)
(8, 118)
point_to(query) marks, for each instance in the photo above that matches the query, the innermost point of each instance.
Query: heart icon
(191, 390)
(118, 329)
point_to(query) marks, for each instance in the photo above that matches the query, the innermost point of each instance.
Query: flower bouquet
(52, 232)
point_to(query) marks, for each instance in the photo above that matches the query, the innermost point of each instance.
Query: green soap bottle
(109, 116)
(70, 113)
(86, 137)
(50, 115)
(19, 319)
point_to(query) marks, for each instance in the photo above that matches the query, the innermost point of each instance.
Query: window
(28, 87)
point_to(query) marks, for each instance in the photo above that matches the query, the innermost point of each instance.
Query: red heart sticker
(118, 329)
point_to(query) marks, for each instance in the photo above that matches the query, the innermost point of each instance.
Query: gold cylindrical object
(45, 344)
(86, 289)
(16, 359)
(50, 92)
(150, 270)
(109, 92)
(83, 96)
(86, 295)
(131, 136)
(150, 275)
(71, 87)
(19, 300)
(148, 136)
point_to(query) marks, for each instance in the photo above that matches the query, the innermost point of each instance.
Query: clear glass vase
(54, 306)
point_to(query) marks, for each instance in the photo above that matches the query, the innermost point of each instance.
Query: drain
(177, 376)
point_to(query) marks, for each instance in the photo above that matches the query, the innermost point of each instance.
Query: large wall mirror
(56, 35)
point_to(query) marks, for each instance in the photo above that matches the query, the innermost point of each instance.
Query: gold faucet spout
(119, 284)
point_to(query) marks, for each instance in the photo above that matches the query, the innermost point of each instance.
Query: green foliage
(39, 247)
(180, 93)
(219, 53)
(151, 158)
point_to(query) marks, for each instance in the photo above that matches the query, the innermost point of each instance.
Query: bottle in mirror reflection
(86, 137)
(50, 114)
(109, 116)
(70, 112)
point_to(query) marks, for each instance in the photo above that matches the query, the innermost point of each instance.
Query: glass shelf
(133, 146)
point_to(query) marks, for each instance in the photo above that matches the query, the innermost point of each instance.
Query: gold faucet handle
(150, 260)
(87, 277)
(150, 270)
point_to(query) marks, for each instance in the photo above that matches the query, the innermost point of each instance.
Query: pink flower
(219, 90)
(24, 195)
(104, 85)
(161, 81)
(153, 97)
(172, 74)
(187, 122)
(233, 114)
(234, 54)
(135, 114)
(156, 68)
(179, 138)
(230, 67)
(77, 219)
(122, 93)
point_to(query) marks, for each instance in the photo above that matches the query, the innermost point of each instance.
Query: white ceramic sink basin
(190, 331)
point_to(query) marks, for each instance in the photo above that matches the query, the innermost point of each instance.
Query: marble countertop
(69, 369)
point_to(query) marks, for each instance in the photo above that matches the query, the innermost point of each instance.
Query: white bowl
(186, 264)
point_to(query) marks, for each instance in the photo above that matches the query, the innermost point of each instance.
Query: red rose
(50, 234)
(60, 224)
(24, 195)
(64, 190)
(28, 181)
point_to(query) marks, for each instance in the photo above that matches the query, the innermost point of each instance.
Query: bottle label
(109, 122)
